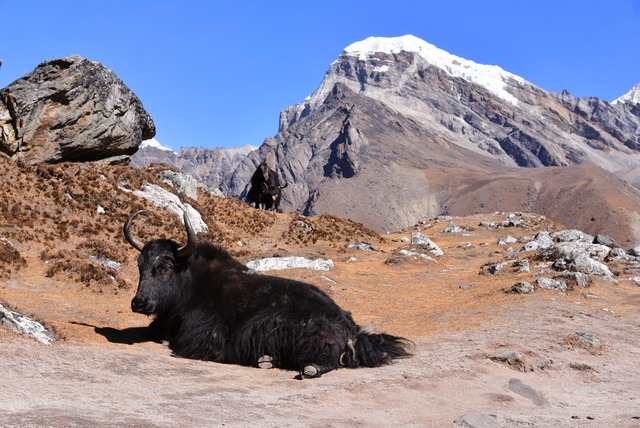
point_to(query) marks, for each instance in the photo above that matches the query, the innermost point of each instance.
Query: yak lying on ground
(265, 188)
(209, 306)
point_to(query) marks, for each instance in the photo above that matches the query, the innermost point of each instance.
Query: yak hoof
(265, 362)
(310, 371)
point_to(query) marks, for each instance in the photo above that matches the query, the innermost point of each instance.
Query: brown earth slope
(102, 371)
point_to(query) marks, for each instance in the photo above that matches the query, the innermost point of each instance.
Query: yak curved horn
(285, 185)
(183, 251)
(135, 243)
(192, 239)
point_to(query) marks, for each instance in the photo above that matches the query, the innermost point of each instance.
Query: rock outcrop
(71, 109)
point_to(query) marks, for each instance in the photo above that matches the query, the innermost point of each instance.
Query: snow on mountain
(491, 77)
(631, 97)
(155, 144)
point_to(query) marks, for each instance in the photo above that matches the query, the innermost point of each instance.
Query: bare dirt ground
(103, 372)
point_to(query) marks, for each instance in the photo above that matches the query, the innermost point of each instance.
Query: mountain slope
(390, 112)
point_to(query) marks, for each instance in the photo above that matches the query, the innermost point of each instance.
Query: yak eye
(165, 269)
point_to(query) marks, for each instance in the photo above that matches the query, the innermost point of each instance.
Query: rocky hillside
(505, 311)
(395, 121)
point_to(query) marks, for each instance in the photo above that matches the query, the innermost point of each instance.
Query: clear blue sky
(217, 74)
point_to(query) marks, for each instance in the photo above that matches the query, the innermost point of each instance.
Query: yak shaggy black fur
(209, 306)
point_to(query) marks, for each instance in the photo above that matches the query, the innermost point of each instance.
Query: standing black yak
(209, 306)
(265, 188)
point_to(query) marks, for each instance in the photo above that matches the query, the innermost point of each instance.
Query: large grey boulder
(71, 109)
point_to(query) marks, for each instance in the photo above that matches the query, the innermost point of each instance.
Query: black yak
(209, 306)
(265, 188)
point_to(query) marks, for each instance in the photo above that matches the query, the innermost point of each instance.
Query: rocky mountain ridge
(364, 144)
(209, 167)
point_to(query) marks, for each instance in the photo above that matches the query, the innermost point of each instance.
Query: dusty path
(140, 384)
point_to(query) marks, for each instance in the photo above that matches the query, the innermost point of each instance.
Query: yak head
(161, 264)
(273, 191)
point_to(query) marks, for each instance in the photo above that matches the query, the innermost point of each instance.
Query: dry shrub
(76, 266)
(10, 258)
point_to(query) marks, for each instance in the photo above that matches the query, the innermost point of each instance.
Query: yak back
(224, 286)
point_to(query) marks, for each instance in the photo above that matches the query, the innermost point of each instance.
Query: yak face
(160, 272)
(162, 265)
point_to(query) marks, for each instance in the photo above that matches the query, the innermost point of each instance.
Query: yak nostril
(140, 305)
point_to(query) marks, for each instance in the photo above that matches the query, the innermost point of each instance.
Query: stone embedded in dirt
(514, 360)
(522, 287)
(579, 278)
(478, 420)
(452, 228)
(24, 325)
(171, 202)
(569, 251)
(519, 387)
(420, 240)
(551, 284)
(572, 235)
(507, 239)
(494, 268)
(588, 340)
(524, 266)
(541, 240)
(363, 246)
(415, 254)
(589, 266)
(182, 182)
(605, 240)
(280, 263)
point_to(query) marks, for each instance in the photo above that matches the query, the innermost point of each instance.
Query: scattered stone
(569, 251)
(551, 284)
(420, 240)
(416, 254)
(572, 235)
(522, 287)
(182, 182)
(588, 340)
(520, 388)
(405, 239)
(525, 266)
(512, 254)
(465, 287)
(106, 262)
(508, 239)
(589, 266)
(494, 268)
(477, 420)
(635, 251)
(581, 367)
(605, 240)
(452, 227)
(467, 245)
(24, 325)
(579, 278)
(280, 263)
(363, 246)
(541, 240)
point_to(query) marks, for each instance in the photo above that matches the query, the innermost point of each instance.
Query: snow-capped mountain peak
(491, 77)
(631, 97)
(155, 144)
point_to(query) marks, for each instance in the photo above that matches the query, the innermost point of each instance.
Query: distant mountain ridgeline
(397, 131)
